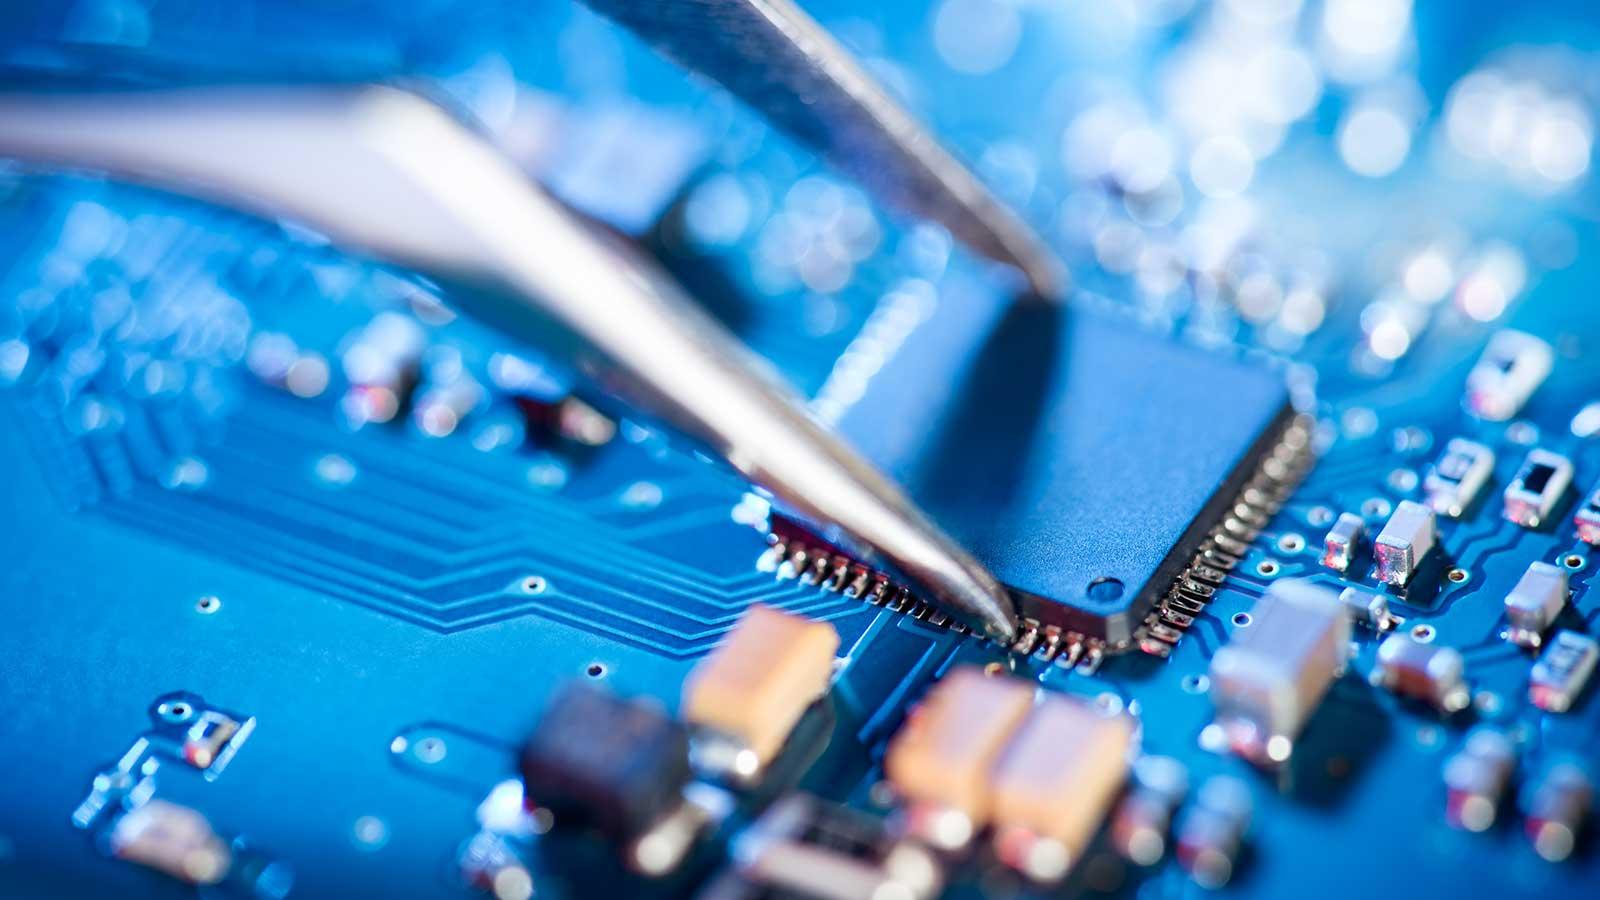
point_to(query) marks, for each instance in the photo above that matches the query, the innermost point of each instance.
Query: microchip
(1087, 462)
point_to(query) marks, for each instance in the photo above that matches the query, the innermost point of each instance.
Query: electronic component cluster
(319, 590)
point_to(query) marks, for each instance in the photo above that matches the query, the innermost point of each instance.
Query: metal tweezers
(388, 173)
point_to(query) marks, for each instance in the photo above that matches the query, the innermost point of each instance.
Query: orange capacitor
(755, 686)
(945, 751)
(1059, 776)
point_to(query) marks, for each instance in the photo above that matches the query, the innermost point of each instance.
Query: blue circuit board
(203, 514)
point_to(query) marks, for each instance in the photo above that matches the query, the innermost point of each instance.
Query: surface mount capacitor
(1534, 603)
(172, 839)
(1212, 831)
(1270, 678)
(1139, 828)
(748, 694)
(1563, 670)
(1055, 783)
(1554, 808)
(1428, 672)
(941, 758)
(1368, 609)
(1342, 542)
(1476, 778)
(1404, 542)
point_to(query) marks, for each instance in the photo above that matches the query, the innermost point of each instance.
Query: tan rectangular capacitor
(949, 743)
(1059, 776)
(761, 679)
(172, 839)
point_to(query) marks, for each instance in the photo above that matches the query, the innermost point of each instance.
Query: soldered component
(1369, 609)
(1554, 808)
(1535, 602)
(1563, 670)
(1404, 542)
(172, 839)
(1270, 678)
(489, 864)
(1055, 783)
(806, 847)
(204, 740)
(1342, 542)
(748, 694)
(1139, 828)
(1587, 518)
(1428, 672)
(1455, 480)
(1476, 778)
(277, 360)
(1540, 484)
(544, 398)
(595, 760)
(941, 759)
(1512, 367)
(442, 406)
(1213, 830)
(382, 364)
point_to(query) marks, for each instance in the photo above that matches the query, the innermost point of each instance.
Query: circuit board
(303, 562)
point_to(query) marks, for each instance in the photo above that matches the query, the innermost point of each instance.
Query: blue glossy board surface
(382, 594)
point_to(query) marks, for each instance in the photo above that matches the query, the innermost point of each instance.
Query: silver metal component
(1342, 541)
(489, 863)
(1405, 540)
(1213, 830)
(781, 62)
(1540, 484)
(388, 173)
(660, 850)
(1476, 778)
(1532, 606)
(1432, 673)
(1139, 827)
(172, 839)
(1458, 476)
(381, 365)
(1512, 367)
(1586, 422)
(1369, 609)
(1555, 807)
(1587, 518)
(1563, 670)
(1270, 678)
(806, 847)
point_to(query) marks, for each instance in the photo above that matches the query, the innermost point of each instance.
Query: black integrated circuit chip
(1090, 464)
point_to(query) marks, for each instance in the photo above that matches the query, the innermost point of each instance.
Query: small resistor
(382, 366)
(1342, 542)
(1476, 778)
(1555, 807)
(1213, 830)
(1140, 825)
